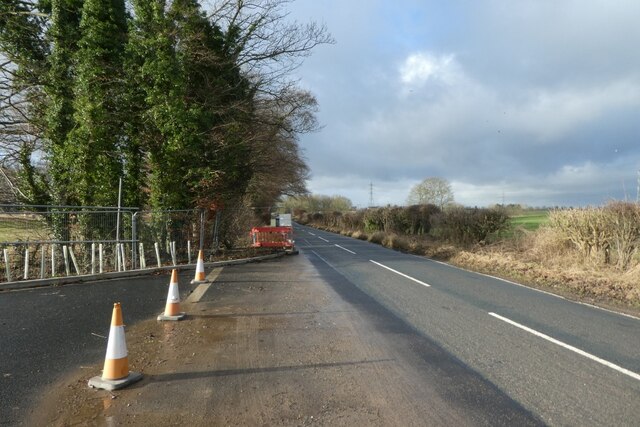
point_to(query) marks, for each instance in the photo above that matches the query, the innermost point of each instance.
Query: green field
(530, 220)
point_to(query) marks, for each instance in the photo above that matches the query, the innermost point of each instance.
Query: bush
(463, 225)
(595, 232)
(373, 220)
(376, 237)
(360, 235)
(393, 241)
(419, 218)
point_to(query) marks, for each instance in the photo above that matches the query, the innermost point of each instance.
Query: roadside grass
(21, 229)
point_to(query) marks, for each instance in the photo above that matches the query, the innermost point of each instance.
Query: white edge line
(345, 249)
(569, 347)
(401, 274)
(530, 288)
(324, 260)
(322, 238)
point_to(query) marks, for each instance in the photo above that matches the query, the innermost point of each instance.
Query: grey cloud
(539, 100)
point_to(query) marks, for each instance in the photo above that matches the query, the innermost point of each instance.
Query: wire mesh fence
(57, 241)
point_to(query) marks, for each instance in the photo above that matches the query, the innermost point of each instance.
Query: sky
(535, 102)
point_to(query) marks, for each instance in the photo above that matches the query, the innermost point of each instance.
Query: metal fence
(57, 241)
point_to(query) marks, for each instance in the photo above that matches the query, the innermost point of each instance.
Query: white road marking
(569, 347)
(311, 233)
(345, 249)
(401, 274)
(199, 292)
(324, 260)
(322, 238)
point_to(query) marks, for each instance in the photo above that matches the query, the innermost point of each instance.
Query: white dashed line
(568, 347)
(401, 274)
(345, 249)
(322, 238)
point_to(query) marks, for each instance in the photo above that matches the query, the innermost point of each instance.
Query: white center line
(569, 347)
(345, 249)
(322, 238)
(401, 274)
(311, 233)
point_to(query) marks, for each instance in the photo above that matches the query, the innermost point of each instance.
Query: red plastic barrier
(272, 237)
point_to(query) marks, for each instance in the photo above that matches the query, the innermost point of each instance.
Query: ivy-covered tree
(63, 37)
(92, 156)
(188, 108)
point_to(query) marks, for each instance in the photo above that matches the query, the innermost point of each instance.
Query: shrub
(393, 241)
(595, 232)
(373, 220)
(419, 218)
(625, 230)
(587, 229)
(376, 237)
(463, 225)
(360, 235)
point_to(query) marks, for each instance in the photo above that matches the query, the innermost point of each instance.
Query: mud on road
(282, 343)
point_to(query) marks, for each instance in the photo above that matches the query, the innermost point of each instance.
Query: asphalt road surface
(568, 363)
(47, 332)
(564, 362)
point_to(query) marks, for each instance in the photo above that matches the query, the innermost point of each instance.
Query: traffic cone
(172, 309)
(116, 374)
(200, 277)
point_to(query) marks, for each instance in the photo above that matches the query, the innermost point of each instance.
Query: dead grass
(360, 235)
(546, 260)
(377, 237)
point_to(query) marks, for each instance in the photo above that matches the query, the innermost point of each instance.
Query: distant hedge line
(456, 224)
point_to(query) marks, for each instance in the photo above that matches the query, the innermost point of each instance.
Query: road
(568, 363)
(47, 332)
(495, 345)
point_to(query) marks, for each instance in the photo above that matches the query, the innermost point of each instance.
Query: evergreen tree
(93, 152)
(63, 35)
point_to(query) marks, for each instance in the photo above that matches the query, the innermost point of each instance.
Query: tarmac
(281, 342)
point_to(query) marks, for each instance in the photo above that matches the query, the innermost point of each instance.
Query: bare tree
(433, 190)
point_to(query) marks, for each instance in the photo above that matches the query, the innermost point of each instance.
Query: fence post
(53, 260)
(117, 253)
(173, 252)
(143, 262)
(93, 258)
(42, 261)
(202, 218)
(134, 241)
(26, 263)
(158, 254)
(6, 264)
(73, 259)
(65, 255)
(100, 251)
(188, 251)
(124, 260)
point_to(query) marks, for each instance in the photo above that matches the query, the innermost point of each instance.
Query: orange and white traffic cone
(116, 374)
(172, 309)
(200, 277)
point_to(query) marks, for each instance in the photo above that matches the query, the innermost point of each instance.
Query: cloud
(538, 100)
(421, 67)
